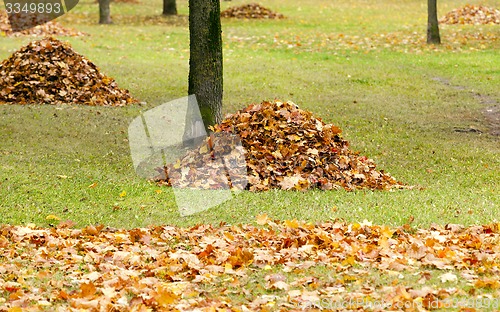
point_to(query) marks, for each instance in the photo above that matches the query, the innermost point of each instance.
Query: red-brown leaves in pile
(168, 268)
(286, 147)
(252, 10)
(123, 1)
(50, 71)
(472, 14)
(47, 29)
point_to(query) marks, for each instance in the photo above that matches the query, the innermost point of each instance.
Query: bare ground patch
(491, 113)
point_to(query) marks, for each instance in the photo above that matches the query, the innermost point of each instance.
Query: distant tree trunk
(169, 7)
(432, 23)
(205, 61)
(104, 12)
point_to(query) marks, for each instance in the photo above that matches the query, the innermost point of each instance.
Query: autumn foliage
(50, 28)
(164, 268)
(252, 10)
(285, 147)
(472, 14)
(49, 71)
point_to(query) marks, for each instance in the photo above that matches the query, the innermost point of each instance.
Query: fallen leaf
(448, 277)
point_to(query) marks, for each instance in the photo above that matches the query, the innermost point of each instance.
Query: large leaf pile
(50, 71)
(472, 14)
(277, 266)
(48, 29)
(252, 10)
(285, 147)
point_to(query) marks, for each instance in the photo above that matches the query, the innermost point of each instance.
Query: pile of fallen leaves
(50, 71)
(126, 1)
(252, 10)
(48, 29)
(284, 147)
(275, 266)
(472, 14)
(123, 1)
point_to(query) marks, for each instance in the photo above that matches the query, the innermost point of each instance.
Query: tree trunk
(205, 61)
(169, 7)
(104, 12)
(432, 23)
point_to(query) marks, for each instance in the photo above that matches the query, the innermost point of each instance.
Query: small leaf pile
(287, 148)
(472, 14)
(276, 266)
(126, 1)
(122, 1)
(252, 10)
(51, 72)
(48, 29)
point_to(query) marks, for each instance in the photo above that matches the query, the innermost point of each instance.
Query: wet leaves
(284, 147)
(473, 15)
(278, 265)
(50, 71)
(251, 11)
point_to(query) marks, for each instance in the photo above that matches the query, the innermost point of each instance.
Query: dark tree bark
(169, 7)
(432, 23)
(205, 61)
(104, 12)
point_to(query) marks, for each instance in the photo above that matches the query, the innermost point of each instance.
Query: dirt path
(491, 113)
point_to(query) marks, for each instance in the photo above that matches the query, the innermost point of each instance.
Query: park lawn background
(398, 103)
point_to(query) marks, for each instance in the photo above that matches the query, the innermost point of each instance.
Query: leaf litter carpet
(49, 71)
(285, 147)
(271, 266)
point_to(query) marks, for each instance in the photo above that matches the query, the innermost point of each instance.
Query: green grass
(388, 100)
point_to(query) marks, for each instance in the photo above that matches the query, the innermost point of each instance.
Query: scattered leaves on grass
(285, 147)
(454, 38)
(50, 71)
(251, 11)
(282, 266)
(401, 41)
(472, 14)
(50, 28)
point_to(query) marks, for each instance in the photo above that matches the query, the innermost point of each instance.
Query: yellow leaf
(158, 191)
(349, 261)
(52, 217)
(293, 224)
(262, 219)
(203, 149)
(164, 297)
(123, 194)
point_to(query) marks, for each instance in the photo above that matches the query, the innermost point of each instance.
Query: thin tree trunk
(432, 23)
(169, 7)
(205, 62)
(104, 12)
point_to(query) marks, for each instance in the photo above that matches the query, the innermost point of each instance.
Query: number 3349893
(33, 8)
